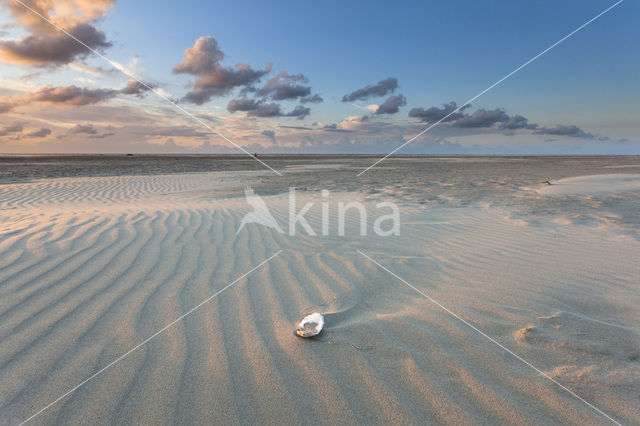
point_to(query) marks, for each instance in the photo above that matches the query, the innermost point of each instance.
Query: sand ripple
(90, 267)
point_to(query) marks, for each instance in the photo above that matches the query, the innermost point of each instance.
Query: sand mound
(574, 334)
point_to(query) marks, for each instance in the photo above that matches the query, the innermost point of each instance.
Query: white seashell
(311, 325)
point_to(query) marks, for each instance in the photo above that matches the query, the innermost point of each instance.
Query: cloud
(95, 71)
(391, 105)
(80, 128)
(260, 108)
(381, 88)
(560, 130)
(517, 122)
(482, 118)
(102, 135)
(434, 114)
(202, 58)
(270, 134)
(39, 133)
(242, 104)
(488, 119)
(255, 108)
(14, 128)
(265, 109)
(294, 127)
(5, 107)
(71, 95)
(299, 112)
(88, 131)
(285, 86)
(58, 49)
(175, 131)
(334, 128)
(17, 132)
(213, 80)
(136, 88)
(44, 45)
(315, 99)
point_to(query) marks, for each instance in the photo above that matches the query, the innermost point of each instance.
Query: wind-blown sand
(92, 266)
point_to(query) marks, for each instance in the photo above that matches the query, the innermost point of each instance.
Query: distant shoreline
(316, 155)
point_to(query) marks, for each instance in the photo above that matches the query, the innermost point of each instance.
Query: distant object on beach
(546, 182)
(311, 325)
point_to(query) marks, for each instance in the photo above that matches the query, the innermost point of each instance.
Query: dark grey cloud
(136, 88)
(88, 129)
(381, 88)
(255, 108)
(242, 104)
(299, 112)
(478, 119)
(294, 127)
(391, 105)
(16, 132)
(259, 108)
(517, 122)
(269, 134)
(265, 110)
(315, 99)
(482, 118)
(213, 80)
(39, 133)
(285, 86)
(102, 135)
(221, 82)
(485, 118)
(334, 128)
(433, 114)
(12, 129)
(560, 130)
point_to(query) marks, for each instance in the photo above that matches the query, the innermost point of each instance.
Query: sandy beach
(92, 266)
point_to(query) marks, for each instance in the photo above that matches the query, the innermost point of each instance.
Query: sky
(318, 77)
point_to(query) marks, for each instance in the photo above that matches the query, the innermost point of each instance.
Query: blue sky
(437, 51)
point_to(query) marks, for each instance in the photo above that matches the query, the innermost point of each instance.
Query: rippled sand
(90, 267)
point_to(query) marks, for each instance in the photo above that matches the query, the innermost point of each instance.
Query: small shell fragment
(311, 325)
